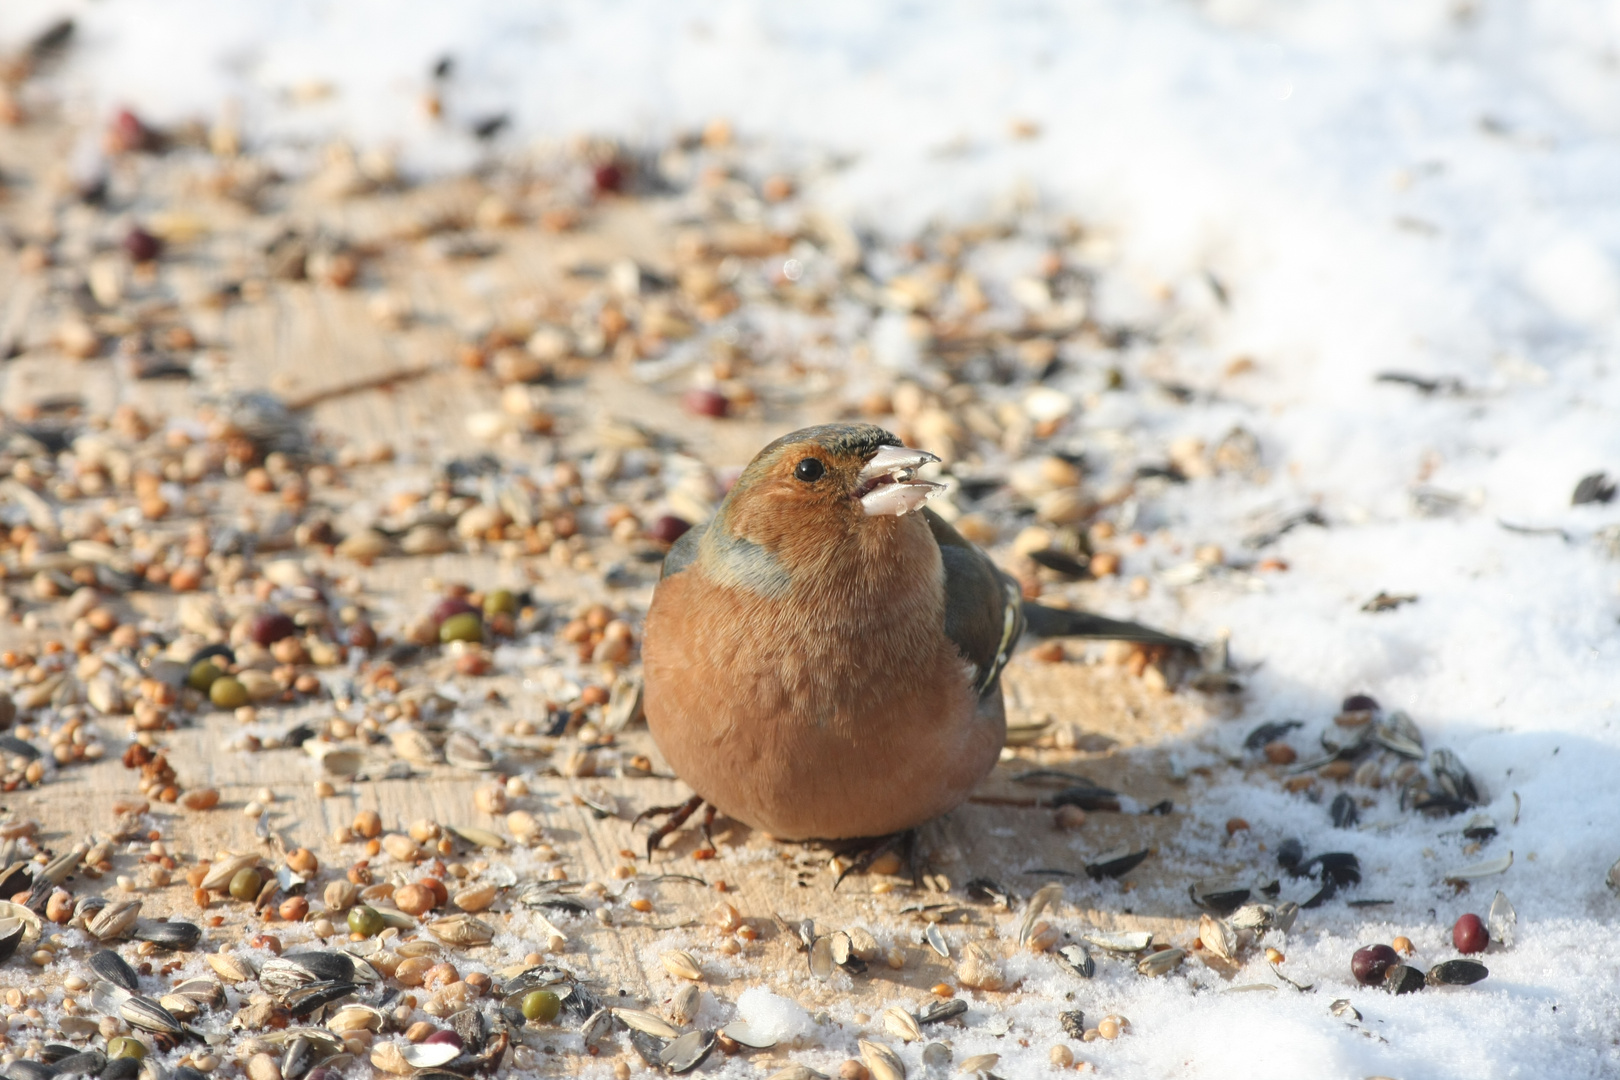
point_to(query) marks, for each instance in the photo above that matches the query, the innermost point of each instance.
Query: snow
(1391, 185)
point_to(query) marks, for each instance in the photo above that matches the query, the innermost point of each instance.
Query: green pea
(246, 884)
(365, 921)
(541, 1005)
(203, 675)
(463, 627)
(126, 1047)
(500, 602)
(227, 693)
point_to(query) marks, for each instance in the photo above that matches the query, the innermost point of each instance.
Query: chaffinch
(823, 658)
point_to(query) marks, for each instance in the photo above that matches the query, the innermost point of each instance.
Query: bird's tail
(1047, 622)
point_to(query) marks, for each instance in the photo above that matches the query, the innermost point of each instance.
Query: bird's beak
(889, 485)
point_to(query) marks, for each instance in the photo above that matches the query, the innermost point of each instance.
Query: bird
(822, 659)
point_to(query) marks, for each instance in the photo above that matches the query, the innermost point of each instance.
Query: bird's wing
(983, 613)
(1044, 622)
(683, 551)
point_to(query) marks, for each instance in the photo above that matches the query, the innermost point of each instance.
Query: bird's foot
(674, 817)
(865, 853)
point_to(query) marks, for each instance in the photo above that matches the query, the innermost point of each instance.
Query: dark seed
(121, 1068)
(1218, 901)
(1343, 810)
(141, 245)
(1359, 703)
(1457, 973)
(701, 402)
(1469, 934)
(607, 178)
(307, 999)
(186, 1072)
(1074, 1023)
(668, 528)
(1339, 867)
(1403, 979)
(1270, 732)
(1290, 853)
(937, 1011)
(112, 967)
(172, 934)
(1116, 865)
(449, 608)
(269, 627)
(323, 966)
(85, 1063)
(1370, 964)
(51, 1053)
(23, 1069)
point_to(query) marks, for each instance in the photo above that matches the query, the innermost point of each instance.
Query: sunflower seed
(936, 1012)
(651, 1023)
(307, 999)
(168, 934)
(1116, 863)
(12, 932)
(687, 1052)
(1503, 920)
(144, 1013)
(112, 967)
(1403, 979)
(1161, 963)
(479, 837)
(84, 1063)
(206, 992)
(429, 1055)
(1489, 868)
(1457, 973)
(1219, 898)
(1079, 959)
(742, 1032)
(936, 941)
(1127, 941)
(981, 1063)
(300, 969)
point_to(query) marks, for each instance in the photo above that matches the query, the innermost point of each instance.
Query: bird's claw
(674, 818)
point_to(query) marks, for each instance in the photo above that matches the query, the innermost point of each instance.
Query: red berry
(1370, 963)
(1469, 934)
(668, 529)
(451, 606)
(270, 627)
(142, 245)
(705, 403)
(126, 132)
(607, 178)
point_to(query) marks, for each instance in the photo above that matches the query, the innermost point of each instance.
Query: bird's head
(811, 487)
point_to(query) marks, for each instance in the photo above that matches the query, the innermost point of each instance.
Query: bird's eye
(809, 470)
